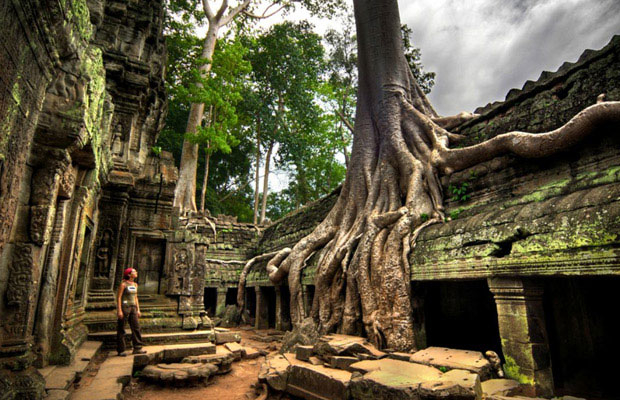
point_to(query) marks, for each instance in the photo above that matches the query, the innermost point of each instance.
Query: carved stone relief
(179, 273)
(103, 255)
(20, 292)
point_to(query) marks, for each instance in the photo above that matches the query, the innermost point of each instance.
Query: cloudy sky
(480, 49)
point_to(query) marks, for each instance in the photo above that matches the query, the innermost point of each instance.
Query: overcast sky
(480, 49)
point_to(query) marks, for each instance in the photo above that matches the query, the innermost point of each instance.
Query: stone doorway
(210, 301)
(250, 301)
(466, 307)
(231, 296)
(581, 315)
(149, 261)
(269, 293)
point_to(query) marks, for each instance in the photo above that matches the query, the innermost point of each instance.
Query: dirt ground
(239, 384)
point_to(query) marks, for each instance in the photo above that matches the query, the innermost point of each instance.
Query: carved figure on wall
(117, 140)
(180, 281)
(104, 255)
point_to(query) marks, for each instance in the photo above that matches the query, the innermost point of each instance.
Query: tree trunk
(256, 176)
(362, 281)
(266, 182)
(185, 191)
(205, 181)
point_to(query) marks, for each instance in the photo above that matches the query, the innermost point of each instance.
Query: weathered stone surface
(315, 361)
(501, 387)
(456, 384)
(399, 356)
(177, 353)
(236, 349)
(274, 371)
(305, 334)
(318, 382)
(227, 337)
(57, 395)
(178, 372)
(344, 345)
(303, 353)
(342, 362)
(251, 353)
(454, 359)
(390, 379)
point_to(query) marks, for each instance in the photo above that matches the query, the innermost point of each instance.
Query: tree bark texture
(362, 283)
(257, 175)
(263, 209)
(185, 191)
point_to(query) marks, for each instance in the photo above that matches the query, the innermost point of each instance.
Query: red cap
(128, 271)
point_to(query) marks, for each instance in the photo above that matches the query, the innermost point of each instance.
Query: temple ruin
(525, 266)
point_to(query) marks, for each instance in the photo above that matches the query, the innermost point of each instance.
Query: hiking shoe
(139, 351)
(122, 354)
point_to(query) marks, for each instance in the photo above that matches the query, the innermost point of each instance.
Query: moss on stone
(512, 371)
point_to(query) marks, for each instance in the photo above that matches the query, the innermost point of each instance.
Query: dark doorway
(250, 301)
(210, 301)
(149, 262)
(285, 310)
(461, 315)
(581, 316)
(231, 296)
(83, 267)
(269, 295)
(310, 291)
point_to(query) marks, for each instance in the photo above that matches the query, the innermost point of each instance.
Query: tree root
(246, 270)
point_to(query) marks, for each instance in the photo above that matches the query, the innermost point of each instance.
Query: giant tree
(400, 150)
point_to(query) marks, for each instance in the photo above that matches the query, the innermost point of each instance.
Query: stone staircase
(108, 338)
(59, 379)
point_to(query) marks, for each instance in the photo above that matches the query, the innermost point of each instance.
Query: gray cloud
(480, 49)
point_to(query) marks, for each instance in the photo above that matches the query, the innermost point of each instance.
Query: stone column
(523, 332)
(220, 305)
(279, 319)
(306, 299)
(262, 310)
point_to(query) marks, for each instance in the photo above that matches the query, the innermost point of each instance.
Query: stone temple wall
(81, 105)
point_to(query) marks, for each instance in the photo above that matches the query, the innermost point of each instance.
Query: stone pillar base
(523, 332)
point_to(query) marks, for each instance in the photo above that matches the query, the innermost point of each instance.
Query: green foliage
(426, 80)
(443, 369)
(454, 214)
(424, 217)
(156, 150)
(459, 193)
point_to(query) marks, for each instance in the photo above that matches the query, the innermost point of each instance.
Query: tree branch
(263, 15)
(233, 13)
(345, 121)
(208, 11)
(222, 9)
(530, 145)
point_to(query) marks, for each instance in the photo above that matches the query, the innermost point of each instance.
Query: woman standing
(128, 309)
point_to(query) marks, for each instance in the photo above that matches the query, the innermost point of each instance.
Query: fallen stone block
(315, 361)
(303, 353)
(501, 387)
(318, 382)
(236, 349)
(455, 384)
(274, 372)
(342, 362)
(399, 356)
(56, 394)
(178, 373)
(439, 357)
(250, 353)
(345, 345)
(176, 354)
(142, 360)
(226, 337)
(389, 379)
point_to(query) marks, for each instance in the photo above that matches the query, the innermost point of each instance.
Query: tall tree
(216, 18)
(287, 62)
(400, 150)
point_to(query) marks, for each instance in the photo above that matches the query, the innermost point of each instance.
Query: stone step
(60, 378)
(109, 337)
(113, 375)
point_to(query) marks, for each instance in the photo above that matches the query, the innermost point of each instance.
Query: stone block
(251, 353)
(178, 353)
(345, 345)
(341, 362)
(500, 387)
(315, 361)
(399, 356)
(274, 372)
(55, 394)
(473, 361)
(303, 353)
(236, 349)
(318, 382)
(454, 384)
(226, 337)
